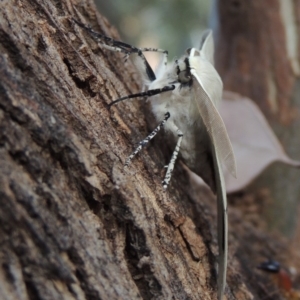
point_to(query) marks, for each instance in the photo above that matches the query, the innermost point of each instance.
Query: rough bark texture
(73, 223)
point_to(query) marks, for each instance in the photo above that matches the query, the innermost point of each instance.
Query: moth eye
(184, 77)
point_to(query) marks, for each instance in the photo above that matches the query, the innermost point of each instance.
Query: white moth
(184, 96)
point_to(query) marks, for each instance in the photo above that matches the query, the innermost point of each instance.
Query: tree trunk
(74, 223)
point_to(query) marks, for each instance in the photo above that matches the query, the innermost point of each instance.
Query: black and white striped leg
(148, 93)
(165, 53)
(173, 160)
(145, 141)
(118, 46)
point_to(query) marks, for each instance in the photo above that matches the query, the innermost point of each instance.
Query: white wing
(222, 224)
(214, 124)
(222, 152)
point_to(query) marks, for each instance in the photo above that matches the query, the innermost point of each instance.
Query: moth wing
(214, 125)
(222, 153)
(222, 224)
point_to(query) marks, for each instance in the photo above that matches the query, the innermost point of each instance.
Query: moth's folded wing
(222, 153)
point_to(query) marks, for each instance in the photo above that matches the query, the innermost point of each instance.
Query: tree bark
(74, 223)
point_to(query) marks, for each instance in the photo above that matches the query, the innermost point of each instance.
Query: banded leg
(148, 93)
(145, 141)
(118, 46)
(171, 164)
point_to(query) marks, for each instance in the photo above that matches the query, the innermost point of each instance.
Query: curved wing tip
(221, 287)
(221, 294)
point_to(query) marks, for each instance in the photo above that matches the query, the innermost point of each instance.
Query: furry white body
(184, 114)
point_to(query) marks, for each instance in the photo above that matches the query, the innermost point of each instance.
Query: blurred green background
(172, 25)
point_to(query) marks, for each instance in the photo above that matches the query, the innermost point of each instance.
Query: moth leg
(173, 158)
(164, 52)
(118, 46)
(145, 141)
(148, 93)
